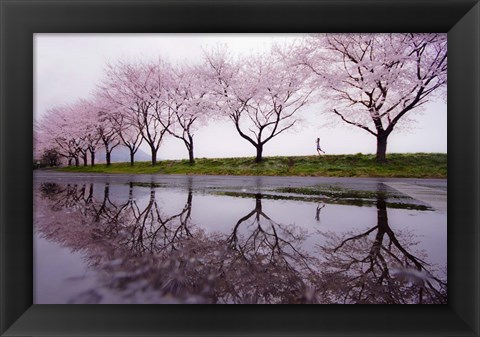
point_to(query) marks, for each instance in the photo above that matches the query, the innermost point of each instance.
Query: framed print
(32, 276)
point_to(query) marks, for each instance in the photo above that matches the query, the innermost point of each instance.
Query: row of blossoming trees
(371, 81)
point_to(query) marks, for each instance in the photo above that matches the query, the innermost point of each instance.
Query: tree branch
(354, 123)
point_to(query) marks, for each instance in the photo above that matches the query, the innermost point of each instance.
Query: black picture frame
(20, 19)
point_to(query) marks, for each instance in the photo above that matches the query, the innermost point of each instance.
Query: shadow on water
(140, 252)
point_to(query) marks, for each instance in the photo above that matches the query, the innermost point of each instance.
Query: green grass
(417, 165)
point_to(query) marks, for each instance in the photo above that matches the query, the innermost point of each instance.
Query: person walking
(319, 149)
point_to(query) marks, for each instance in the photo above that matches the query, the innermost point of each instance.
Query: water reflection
(378, 266)
(142, 251)
(320, 206)
(266, 261)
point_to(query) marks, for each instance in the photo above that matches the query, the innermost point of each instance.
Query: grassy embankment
(418, 165)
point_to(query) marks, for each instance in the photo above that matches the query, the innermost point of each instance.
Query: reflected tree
(67, 196)
(264, 238)
(143, 252)
(155, 231)
(132, 244)
(265, 262)
(106, 207)
(376, 266)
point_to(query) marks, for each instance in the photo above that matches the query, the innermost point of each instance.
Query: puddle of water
(189, 242)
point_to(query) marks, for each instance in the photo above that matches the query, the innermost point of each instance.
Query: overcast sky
(69, 66)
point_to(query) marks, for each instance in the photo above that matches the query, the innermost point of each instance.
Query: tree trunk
(190, 150)
(382, 225)
(190, 155)
(258, 204)
(108, 158)
(258, 159)
(107, 193)
(69, 161)
(77, 162)
(381, 148)
(132, 157)
(85, 156)
(130, 191)
(90, 193)
(154, 156)
(382, 218)
(92, 158)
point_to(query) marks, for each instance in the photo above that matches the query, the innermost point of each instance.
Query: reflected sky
(200, 240)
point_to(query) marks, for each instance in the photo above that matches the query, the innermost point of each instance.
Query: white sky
(69, 66)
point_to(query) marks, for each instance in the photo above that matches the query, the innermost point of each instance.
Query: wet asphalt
(430, 191)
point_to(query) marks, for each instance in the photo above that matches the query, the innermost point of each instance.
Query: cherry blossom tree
(260, 94)
(76, 129)
(373, 81)
(88, 126)
(51, 157)
(106, 129)
(190, 100)
(140, 89)
(42, 141)
(126, 130)
(58, 130)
